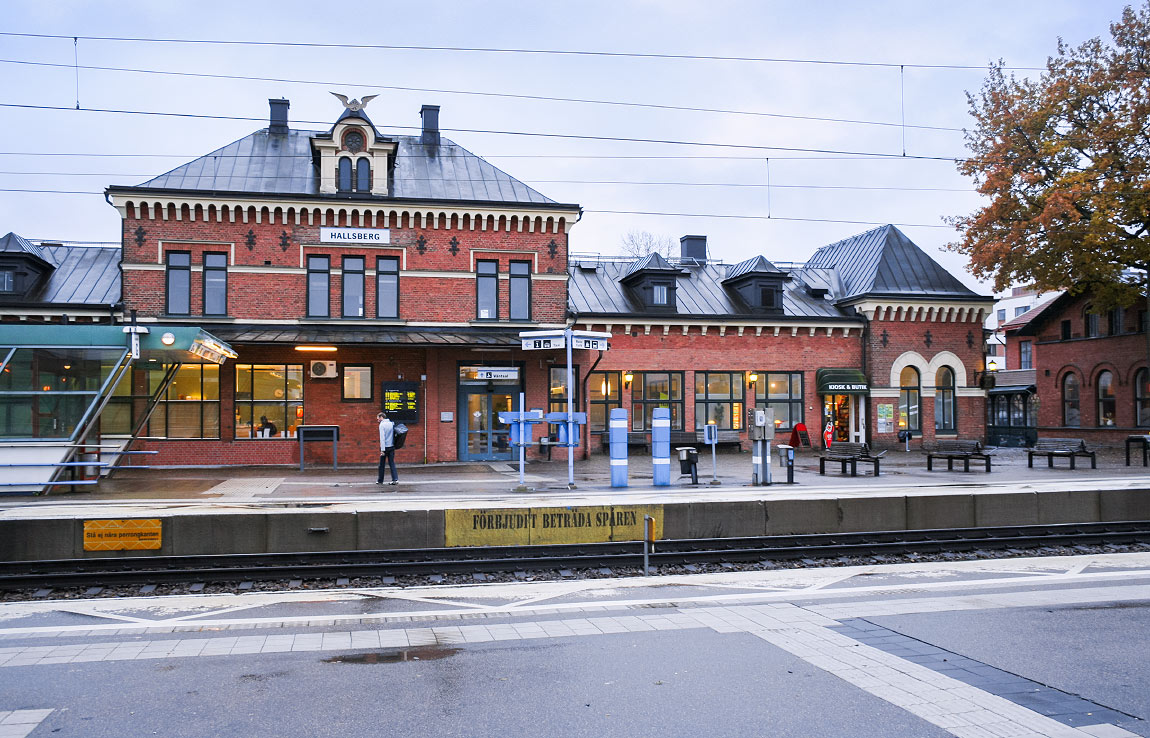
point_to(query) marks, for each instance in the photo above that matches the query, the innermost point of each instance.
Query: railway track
(623, 556)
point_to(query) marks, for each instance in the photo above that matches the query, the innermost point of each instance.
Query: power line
(732, 216)
(564, 181)
(442, 155)
(495, 50)
(561, 136)
(544, 98)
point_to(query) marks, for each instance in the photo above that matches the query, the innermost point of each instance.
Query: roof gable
(883, 261)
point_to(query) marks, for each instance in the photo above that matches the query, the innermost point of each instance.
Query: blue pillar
(661, 445)
(617, 435)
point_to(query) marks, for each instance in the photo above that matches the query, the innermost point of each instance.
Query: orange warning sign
(122, 535)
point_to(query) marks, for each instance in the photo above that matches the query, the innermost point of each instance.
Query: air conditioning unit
(321, 369)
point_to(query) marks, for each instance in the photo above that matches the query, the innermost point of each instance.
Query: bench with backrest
(678, 438)
(954, 448)
(846, 452)
(1068, 447)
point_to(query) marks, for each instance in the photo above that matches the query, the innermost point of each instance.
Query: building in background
(1010, 305)
(1088, 377)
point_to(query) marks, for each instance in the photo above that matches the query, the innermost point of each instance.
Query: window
(1025, 355)
(1141, 321)
(999, 415)
(487, 290)
(269, 400)
(520, 290)
(1071, 414)
(659, 294)
(1021, 310)
(1114, 321)
(1017, 409)
(1091, 322)
(944, 402)
(1065, 330)
(363, 175)
(215, 284)
(719, 398)
(318, 287)
(179, 282)
(604, 396)
(7, 280)
(191, 407)
(557, 393)
(356, 383)
(1002, 316)
(768, 298)
(783, 392)
(650, 390)
(908, 400)
(1106, 402)
(353, 286)
(387, 286)
(1142, 398)
(343, 180)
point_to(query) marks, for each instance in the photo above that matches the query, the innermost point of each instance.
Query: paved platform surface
(444, 486)
(1025, 647)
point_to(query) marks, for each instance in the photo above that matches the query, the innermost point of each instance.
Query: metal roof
(410, 336)
(652, 262)
(263, 163)
(699, 293)
(754, 265)
(16, 244)
(883, 261)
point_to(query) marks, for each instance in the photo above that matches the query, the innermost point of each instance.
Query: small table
(319, 433)
(1134, 441)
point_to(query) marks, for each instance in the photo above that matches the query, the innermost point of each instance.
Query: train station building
(349, 270)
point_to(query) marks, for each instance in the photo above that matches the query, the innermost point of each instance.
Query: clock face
(353, 142)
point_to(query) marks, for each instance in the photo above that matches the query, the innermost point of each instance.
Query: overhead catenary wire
(560, 136)
(515, 96)
(509, 50)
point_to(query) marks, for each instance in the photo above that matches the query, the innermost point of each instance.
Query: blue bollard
(617, 435)
(661, 445)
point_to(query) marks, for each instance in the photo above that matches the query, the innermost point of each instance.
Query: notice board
(400, 400)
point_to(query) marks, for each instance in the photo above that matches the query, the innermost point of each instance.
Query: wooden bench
(1051, 447)
(678, 438)
(952, 449)
(845, 452)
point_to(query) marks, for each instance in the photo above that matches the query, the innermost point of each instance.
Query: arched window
(944, 405)
(343, 181)
(1106, 402)
(1071, 415)
(908, 400)
(363, 175)
(1142, 398)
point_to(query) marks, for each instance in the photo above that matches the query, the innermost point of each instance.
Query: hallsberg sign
(354, 235)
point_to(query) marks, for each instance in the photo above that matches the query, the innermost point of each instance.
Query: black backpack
(399, 436)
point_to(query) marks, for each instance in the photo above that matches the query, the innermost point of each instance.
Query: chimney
(278, 122)
(693, 248)
(430, 135)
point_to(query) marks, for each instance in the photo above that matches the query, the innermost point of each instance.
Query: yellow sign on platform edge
(540, 526)
(122, 535)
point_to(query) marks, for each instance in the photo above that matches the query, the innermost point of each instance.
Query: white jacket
(386, 435)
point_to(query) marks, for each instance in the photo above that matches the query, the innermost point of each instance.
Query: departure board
(401, 401)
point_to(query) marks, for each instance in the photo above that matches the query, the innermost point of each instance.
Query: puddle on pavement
(426, 653)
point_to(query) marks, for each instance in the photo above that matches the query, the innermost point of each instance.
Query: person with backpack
(386, 447)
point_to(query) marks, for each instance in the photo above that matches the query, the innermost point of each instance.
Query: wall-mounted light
(315, 348)
(168, 339)
(992, 366)
(627, 377)
(752, 380)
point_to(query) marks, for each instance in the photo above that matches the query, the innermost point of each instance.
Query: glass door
(484, 436)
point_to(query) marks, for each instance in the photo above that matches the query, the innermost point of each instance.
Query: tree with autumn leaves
(1064, 161)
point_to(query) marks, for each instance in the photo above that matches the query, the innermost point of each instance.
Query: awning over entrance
(421, 336)
(832, 381)
(1010, 389)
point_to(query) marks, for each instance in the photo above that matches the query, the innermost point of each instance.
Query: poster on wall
(886, 418)
(401, 401)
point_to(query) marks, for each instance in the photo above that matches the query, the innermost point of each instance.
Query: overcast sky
(46, 148)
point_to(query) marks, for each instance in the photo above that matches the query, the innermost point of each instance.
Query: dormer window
(353, 157)
(7, 280)
(363, 175)
(659, 295)
(344, 175)
(768, 297)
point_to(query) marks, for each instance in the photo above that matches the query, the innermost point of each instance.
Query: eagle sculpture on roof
(355, 105)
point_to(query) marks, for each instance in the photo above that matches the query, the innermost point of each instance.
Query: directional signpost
(568, 339)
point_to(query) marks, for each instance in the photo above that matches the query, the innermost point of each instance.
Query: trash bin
(689, 462)
(787, 460)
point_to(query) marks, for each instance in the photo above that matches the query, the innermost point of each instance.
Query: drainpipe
(866, 370)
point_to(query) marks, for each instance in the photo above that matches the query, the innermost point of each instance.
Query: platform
(201, 510)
